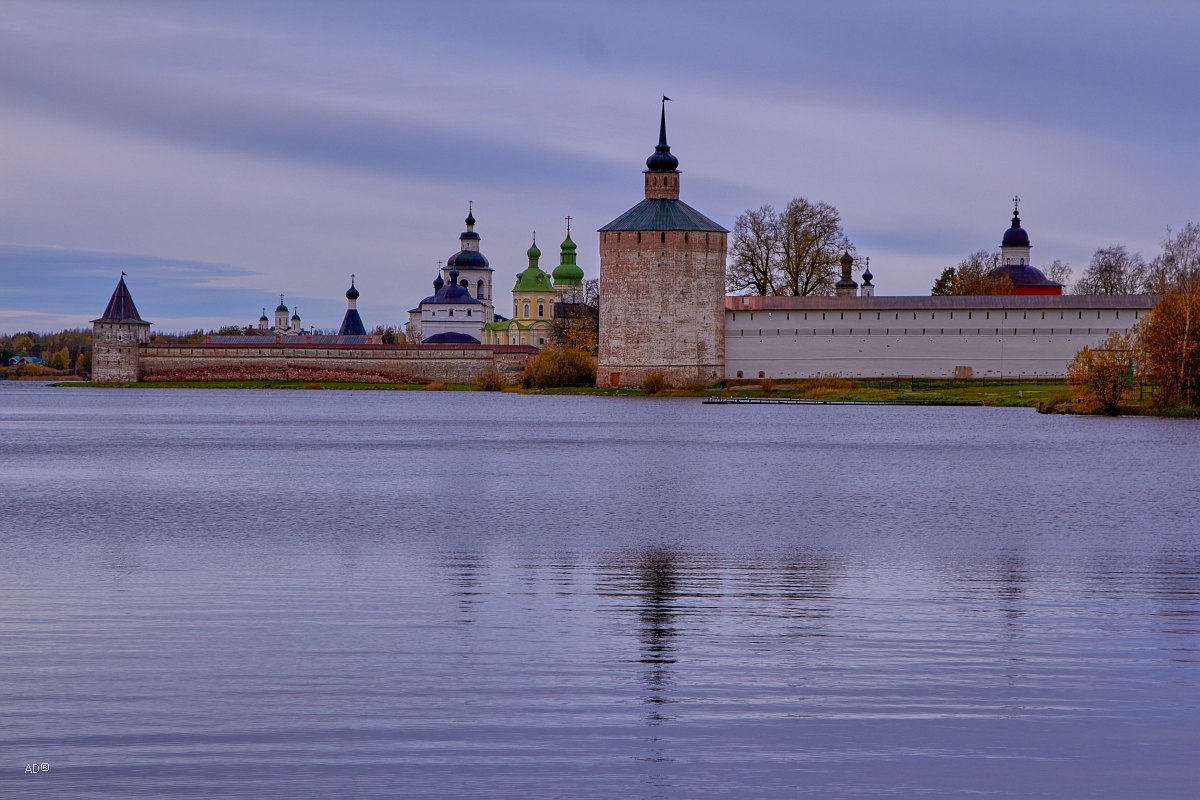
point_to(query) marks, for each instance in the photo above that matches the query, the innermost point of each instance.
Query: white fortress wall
(793, 337)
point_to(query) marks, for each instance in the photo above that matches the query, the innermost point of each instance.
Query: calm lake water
(427, 594)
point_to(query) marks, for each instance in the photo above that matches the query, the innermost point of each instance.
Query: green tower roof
(567, 273)
(533, 279)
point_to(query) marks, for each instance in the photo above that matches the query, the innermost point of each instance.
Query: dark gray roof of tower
(352, 324)
(663, 215)
(120, 306)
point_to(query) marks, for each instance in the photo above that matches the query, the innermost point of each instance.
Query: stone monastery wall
(790, 337)
(352, 363)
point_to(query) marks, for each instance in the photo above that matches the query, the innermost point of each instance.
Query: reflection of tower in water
(658, 578)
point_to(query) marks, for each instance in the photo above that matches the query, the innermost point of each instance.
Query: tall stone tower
(662, 285)
(116, 337)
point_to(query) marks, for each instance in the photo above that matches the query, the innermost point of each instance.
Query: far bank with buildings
(663, 309)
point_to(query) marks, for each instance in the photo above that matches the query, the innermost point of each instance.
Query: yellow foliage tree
(1167, 343)
(1102, 376)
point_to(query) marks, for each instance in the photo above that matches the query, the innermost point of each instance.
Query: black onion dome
(470, 220)
(662, 160)
(1015, 236)
(352, 293)
(438, 283)
(468, 259)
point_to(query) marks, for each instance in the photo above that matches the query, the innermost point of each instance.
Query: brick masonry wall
(377, 364)
(662, 306)
(115, 348)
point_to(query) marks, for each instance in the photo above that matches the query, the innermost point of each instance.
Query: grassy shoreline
(991, 395)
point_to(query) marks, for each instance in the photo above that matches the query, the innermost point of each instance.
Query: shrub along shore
(1052, 397)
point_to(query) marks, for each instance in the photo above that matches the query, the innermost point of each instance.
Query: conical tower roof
(120, 306)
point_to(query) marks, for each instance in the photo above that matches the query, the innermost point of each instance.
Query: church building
(662, 280)
(536, 295)
(1015, 263)
(461, 303)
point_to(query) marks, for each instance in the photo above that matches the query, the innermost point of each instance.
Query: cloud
(45, 288)
(304, 143)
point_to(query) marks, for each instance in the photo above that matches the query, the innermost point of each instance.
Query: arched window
(479, 292)
(452, 312)
(527, 310)
(468, 312)
(541, 310)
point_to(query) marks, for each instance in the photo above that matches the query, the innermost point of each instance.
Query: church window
(527, 310)
(1022, 262)
(452, 312)
(639, 237)
(685, 238)
(468, 312)
(664, 236)
(541, 310)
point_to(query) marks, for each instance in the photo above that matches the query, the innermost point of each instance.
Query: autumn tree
(1103, 375)
(1167, 341)
(973, 276)
(1059, 272)
(22, 344)
(1113, 270)
(576, 321)
(60, 360)
(810, 242)
(753, 252)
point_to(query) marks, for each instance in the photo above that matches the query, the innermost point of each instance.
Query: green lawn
(1022, 396)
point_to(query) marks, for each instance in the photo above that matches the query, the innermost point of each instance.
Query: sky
(224, 153)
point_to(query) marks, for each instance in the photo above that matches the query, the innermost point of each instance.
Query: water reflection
(658, 579)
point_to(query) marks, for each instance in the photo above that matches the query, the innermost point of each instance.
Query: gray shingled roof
(663, 215)
(1072, 302)
(120, 306)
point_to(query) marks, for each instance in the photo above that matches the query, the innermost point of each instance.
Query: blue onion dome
(867, 276)
(468, 259)
(352, 293)
(662, 160)
(438, 283)
(1015, 236)
(470, 220)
